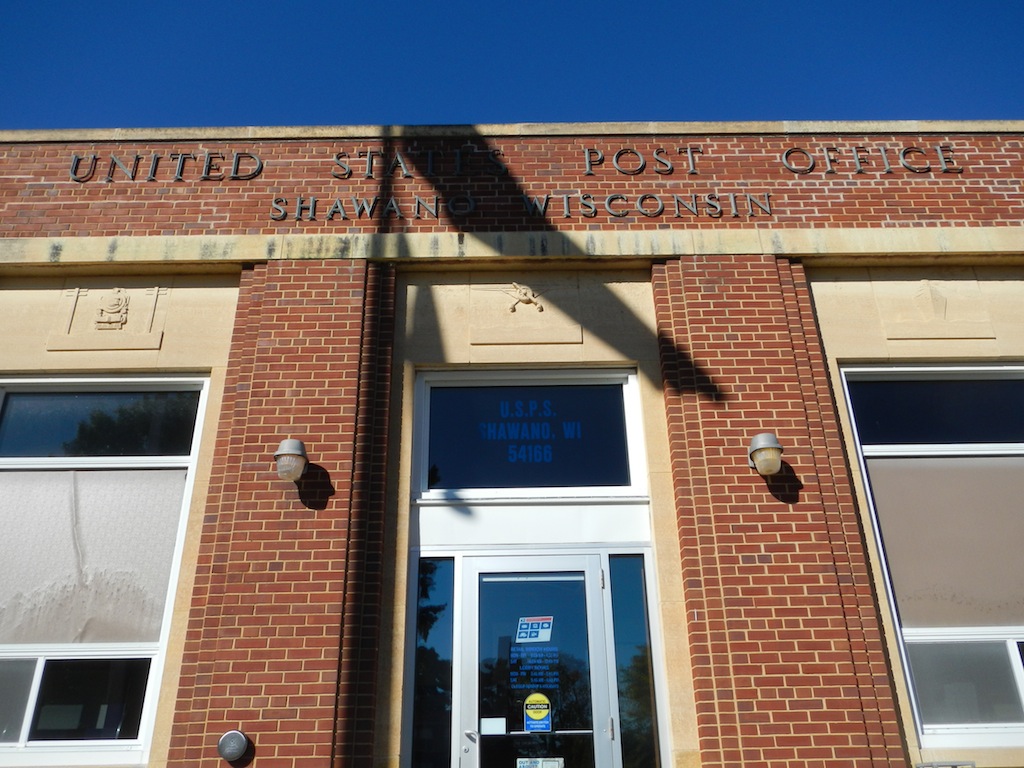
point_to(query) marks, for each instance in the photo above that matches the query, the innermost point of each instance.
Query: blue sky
(129, 64)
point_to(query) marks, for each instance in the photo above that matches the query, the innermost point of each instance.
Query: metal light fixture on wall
(291, 459)
(233, 746)
(765, 454)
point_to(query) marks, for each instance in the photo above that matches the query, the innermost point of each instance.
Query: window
(540, 434)
(432, 677)
(95, 474)
(943, 451)
(634, 670)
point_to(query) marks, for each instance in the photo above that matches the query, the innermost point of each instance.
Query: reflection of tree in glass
(426, 614)
(432, 718)
(494, 689)
(149, 424)
(570, 703)
(573, 704)
(636, 711)
(432, 682)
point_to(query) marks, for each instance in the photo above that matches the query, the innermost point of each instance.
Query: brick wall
(282, 637)
(788, 662)
(856, 181)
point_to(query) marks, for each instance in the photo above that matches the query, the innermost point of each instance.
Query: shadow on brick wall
(684, 375)
(315, 487)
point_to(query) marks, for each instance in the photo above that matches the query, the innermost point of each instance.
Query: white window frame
(636, 491)
(103, 751)
(945, 736)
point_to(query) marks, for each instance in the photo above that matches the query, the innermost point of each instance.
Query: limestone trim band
(832, 245)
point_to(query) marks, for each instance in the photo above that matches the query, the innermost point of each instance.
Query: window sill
(974, 737)
(76, 754)
(568, 497)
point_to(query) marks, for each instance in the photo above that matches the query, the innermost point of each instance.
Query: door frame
(458, 555)
(466, 720)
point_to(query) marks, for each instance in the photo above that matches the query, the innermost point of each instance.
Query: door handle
(471, 735)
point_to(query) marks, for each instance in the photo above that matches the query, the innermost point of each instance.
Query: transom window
(95, 476)
(537, 435)
(101, 423)
(941, 411)
(943, 451)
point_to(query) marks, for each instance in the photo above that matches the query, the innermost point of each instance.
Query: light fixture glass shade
(233, 745)
(291, 459)
(765, 454)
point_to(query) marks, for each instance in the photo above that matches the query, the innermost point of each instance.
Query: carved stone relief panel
(934, 309)
(112, 318)
(541, 310)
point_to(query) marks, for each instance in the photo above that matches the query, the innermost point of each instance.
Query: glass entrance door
(535, 667)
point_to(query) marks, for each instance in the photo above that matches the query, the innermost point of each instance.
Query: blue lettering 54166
(530, 454)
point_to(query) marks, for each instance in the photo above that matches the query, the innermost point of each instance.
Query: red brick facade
(788, 660)
(856, 181)
(282, 639)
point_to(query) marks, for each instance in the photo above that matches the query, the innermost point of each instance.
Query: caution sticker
(537, 713)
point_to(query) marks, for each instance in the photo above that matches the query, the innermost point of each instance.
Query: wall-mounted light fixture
(291, 459)
(765, 454)
(233, 745)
